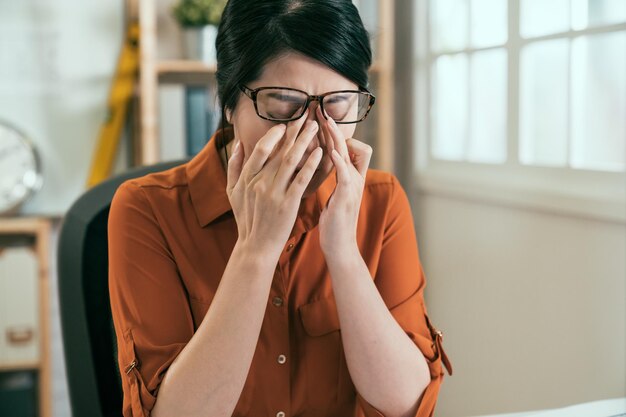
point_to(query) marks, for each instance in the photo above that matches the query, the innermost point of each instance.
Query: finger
(294, 155)
(293, 128)
(323, 128)
(338, 140)
(262, 150)
(235, 164)
(327, 136)
(299, 184)
(362, 155)
(320, 121)
(343, 173)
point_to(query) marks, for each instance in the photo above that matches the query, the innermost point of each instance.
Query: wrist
(256, 255)
(345, 256)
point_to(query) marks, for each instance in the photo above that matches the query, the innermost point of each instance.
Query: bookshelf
(25, 326)
(378, 130)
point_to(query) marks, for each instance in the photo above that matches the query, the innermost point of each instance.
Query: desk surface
(615, 407)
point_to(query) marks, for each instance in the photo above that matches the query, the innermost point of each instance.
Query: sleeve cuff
(141, 401)
(138, 401)
(426, 406)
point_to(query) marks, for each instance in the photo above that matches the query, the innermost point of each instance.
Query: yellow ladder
(118, 104)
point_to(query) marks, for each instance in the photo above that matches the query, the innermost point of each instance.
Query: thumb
(235, 164)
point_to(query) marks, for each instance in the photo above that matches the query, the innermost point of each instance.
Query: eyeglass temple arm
(246, 91)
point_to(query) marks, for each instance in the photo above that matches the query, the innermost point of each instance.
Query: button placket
(280, 342)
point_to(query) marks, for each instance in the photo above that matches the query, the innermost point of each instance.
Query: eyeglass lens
(281, 104)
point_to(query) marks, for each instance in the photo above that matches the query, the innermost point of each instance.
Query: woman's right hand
(264, 200)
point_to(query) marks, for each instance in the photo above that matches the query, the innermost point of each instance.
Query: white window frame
(561, 190)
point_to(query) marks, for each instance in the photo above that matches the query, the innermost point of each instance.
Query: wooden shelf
(19, 366)
(185, 72)
(21, 225)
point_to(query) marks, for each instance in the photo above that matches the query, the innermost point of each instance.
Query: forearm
(387, 368)
(208, 376)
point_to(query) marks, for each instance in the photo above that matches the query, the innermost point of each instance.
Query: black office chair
(87, 327)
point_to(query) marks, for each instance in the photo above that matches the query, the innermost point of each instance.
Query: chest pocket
(323, 360)
(320, 317)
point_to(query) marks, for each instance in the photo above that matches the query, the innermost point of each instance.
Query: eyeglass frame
(252, 95)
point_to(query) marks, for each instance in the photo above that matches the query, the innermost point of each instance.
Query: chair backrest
(87, 327)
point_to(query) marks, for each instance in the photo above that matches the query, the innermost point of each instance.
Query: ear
(228, 114)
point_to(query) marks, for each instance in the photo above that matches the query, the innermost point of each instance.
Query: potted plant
(199, 20)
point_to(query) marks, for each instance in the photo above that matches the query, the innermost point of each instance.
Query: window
(520, 97)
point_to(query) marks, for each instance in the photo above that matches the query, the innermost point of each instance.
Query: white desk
(615, 407)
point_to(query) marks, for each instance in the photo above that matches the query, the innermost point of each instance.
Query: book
(201, 117)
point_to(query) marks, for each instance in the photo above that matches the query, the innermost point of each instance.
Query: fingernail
(311, 125)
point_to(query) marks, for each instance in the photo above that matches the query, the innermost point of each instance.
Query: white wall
(56, 64)
(532, 305)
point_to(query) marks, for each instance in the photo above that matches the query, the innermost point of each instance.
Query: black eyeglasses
(283, 104)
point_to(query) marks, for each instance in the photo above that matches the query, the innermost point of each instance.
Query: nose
(312, 110)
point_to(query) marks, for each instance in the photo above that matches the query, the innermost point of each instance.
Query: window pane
(449, 24)
(599, 101)
(543, 103)
(449, 107)
(489, 22)
(587, 13)
(488, 107)
(542, 17)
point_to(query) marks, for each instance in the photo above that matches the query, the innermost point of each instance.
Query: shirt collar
(207, 186)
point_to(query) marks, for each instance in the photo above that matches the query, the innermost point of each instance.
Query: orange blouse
(170, 236)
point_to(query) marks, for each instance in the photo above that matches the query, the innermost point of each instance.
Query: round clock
(20, 169)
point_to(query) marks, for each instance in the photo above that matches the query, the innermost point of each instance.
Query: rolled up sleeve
(400, 280)
(151, 313)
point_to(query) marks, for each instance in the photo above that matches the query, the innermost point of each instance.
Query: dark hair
(251, 33)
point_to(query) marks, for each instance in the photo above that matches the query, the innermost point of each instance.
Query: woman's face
(295, 71)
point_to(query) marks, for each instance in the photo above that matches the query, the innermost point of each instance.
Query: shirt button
(282, 359)
(277, 301)
(280, 414)
(289, 247)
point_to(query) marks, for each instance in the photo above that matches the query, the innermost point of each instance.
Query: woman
(256, 281)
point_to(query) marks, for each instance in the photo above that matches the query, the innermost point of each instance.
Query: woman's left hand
(338, 220)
